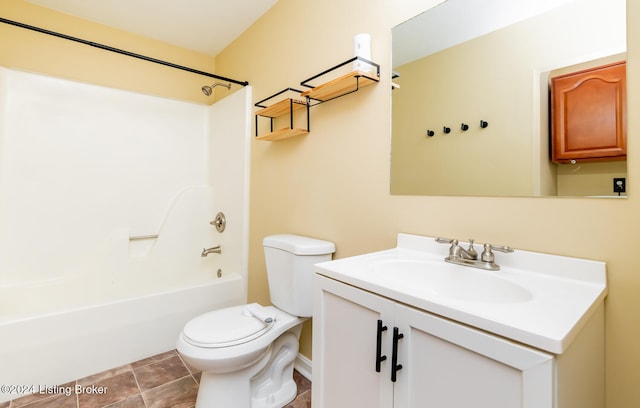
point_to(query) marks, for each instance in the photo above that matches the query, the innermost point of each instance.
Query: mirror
(485, 65)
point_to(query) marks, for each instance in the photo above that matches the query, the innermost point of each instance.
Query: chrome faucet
(213, 250)
(469, 256)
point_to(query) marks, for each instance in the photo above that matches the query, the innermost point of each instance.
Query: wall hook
(430, 133)
(446, 130)
(483, 124)
(464, 127)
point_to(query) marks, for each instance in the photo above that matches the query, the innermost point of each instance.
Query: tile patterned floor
(161, 381)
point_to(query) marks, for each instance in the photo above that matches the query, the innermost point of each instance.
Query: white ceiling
(207, 26)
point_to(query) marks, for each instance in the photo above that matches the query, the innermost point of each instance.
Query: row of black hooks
(463, 126)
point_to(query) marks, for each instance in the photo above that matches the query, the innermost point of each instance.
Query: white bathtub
(123, 301)
(45, 348)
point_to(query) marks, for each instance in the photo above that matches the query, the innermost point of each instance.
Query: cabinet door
(345, 324)
(445, 364)
(588, 110)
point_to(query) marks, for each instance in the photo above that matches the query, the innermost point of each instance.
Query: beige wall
(334, 182)
(41, 53)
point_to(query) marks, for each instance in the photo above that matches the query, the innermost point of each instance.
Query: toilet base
(267, 384)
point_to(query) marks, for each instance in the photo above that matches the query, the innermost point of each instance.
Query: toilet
(246, 353)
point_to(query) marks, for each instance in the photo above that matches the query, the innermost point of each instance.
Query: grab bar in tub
(140, 237)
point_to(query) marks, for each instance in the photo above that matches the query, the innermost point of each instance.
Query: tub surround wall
(86, 167)
(81, 161)
(228, 160)
(82, 169)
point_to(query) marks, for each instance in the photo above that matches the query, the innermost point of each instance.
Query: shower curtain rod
(120, 51)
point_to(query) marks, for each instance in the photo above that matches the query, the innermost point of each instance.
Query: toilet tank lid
(299, 245)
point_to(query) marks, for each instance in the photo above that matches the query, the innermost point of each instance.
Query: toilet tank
(290, 259)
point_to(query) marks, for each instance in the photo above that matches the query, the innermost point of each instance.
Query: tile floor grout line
(191, 373)
(135, 377)
(164, 384)
(167, 383)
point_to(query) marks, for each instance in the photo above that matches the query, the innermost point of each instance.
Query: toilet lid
(226, 327)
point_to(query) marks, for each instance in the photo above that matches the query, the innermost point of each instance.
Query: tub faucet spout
(213, 250)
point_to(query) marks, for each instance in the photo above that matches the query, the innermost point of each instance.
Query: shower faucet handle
(220, 222)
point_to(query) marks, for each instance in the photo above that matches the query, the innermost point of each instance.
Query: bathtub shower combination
(106, 199)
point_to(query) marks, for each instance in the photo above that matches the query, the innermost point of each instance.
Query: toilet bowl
(246, 353)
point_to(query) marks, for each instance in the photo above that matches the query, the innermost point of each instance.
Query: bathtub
(44, 348)
(125, 300)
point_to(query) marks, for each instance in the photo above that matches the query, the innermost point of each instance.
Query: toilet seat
(229, 326)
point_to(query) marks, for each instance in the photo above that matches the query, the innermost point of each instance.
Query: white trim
(303, 365)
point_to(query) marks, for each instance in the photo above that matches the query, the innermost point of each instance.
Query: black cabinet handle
(395, 367)
(379, 358)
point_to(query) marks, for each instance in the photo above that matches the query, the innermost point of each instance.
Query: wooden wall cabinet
(588, 115)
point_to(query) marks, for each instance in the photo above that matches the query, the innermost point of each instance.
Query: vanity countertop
(537, 299)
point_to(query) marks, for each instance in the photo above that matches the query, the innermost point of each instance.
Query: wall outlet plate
(619, 185)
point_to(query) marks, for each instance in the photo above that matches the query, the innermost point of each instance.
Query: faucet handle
(453, 242)
(502, 248)
(487, 254)
(441, 240)
(454, 250)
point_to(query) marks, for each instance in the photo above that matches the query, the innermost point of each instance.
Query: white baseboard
(303, 365)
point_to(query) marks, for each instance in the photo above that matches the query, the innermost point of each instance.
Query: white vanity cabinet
(438, 363)
(402, 328)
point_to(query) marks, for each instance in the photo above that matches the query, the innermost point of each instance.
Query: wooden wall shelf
(283, 107)
(341, 86)
(281, 134)
(332, 89)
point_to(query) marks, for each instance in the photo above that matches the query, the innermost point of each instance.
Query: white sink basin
(449, 281)
(537, 299)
